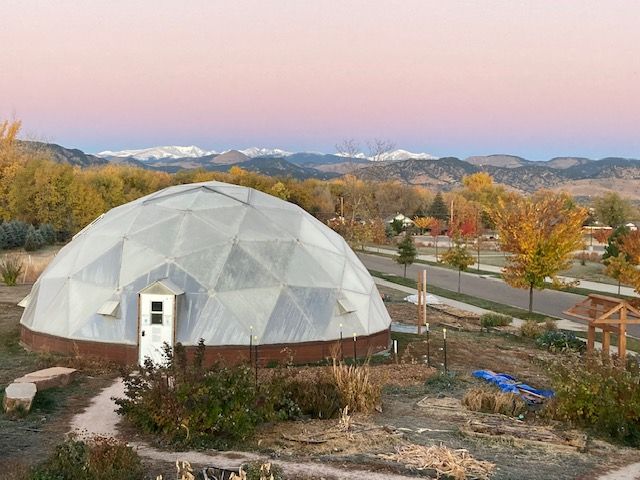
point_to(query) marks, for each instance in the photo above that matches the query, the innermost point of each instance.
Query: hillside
(443, 173)
(582, 178)
(497, 160)
(60, 154)
(579, 176)
(566, 162)
(278, 167)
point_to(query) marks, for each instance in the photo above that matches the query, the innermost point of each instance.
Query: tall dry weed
(490, 401)
(355, 387)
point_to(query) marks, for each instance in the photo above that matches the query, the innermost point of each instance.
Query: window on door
(156, 313)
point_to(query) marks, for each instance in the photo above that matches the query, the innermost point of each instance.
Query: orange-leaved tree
(630, 250)
(541, 232)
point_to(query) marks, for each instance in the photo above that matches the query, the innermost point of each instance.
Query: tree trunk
(459, 275)
(405, 270)
(436, 249)
(530, 298)
(618, 286)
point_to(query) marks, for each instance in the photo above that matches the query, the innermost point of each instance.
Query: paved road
(548, 302)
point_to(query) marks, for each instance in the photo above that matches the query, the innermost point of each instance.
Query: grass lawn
(592, 271)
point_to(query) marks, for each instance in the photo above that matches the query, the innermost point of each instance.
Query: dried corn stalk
(458, 464)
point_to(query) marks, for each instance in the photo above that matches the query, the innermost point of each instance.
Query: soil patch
(30, 439)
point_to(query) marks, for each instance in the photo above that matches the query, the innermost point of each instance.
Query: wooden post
(606, 341)
(591, 337)
(424, 298)
(419, 317)
(622, 337)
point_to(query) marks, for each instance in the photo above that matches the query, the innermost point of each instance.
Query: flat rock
(19, 396)
(49, 377)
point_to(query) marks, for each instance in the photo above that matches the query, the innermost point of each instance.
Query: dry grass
(355, 387)
(531, 329)
(491, 401)
(11, 266)
(550, 325)
(457, 464)
(33, 264)
(314, 438)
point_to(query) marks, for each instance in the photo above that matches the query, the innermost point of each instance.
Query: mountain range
(580, 176)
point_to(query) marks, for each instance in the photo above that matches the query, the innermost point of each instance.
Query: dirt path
(630, 472)
(100, 418)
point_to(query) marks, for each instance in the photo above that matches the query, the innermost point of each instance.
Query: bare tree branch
(348, 148)
(378, 147)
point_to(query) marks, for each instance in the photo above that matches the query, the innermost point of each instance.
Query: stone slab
(49, 377)
(19, 396)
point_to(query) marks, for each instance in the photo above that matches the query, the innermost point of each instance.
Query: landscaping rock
(49, 377)
(19, 396)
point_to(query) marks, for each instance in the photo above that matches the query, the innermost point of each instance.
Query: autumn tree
(280, 190)
(378, 231)
(612, 248)
(617, 268)
(540, 233)
(479, 188)
(436, 229)
(630, 246)
(611, 209)
(407, 252)
(40, 193)
(458, 257)
(11, 161)
(601, 235)
(628, 260)
(423, 223)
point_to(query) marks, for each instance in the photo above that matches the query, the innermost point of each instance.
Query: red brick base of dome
(304, 352)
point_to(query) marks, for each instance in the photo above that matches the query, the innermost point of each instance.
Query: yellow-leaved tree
(541, 233)
(424, 223)
(11, 161)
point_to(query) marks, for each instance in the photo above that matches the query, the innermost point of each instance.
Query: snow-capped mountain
(400, 154)
(394, 155)
(254, 152)
(152, 153)
(172, 151)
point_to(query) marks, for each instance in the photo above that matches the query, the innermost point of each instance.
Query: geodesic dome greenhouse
(223, 263)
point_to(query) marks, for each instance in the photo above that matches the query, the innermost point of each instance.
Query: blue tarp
(509, 384)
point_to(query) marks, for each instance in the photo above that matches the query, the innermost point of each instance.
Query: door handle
(142, 334)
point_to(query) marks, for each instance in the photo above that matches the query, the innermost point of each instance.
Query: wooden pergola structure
(612, 315)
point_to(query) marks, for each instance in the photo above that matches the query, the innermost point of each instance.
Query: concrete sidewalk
(595, 286)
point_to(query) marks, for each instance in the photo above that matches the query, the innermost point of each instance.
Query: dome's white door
(156, 326)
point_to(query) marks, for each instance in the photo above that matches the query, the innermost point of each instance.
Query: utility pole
(451, 215)
(451, 223)
(478, 237)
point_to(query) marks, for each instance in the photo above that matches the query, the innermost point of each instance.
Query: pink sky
(537, 78)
